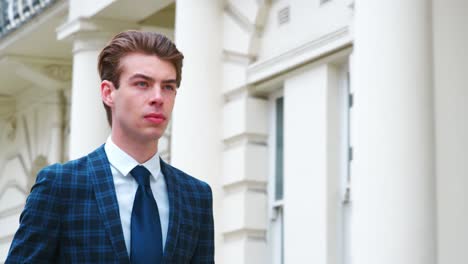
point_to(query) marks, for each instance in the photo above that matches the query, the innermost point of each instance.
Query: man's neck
(139, 150)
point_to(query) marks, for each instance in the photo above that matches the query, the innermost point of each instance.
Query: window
(279, 149)
(276, 228)
(346, 175)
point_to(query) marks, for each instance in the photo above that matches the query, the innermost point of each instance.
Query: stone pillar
(196, 126)
(392, 134)
(88, 123)
(451, 105)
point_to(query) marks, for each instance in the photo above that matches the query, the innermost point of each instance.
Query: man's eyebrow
(169, 81)
(139, 75)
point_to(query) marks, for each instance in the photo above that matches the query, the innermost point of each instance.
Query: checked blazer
(72, 216)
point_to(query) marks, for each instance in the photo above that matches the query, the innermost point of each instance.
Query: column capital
(91, 34)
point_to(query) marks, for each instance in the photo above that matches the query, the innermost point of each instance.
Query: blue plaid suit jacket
(72, 216)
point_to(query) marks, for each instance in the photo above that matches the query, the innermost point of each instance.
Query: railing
(13, 13)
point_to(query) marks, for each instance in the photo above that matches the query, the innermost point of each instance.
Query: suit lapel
(174, 211)
(106, 198)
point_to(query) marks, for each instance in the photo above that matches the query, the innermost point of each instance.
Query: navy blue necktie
(146, 236)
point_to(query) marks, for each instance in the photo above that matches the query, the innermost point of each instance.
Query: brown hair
(136, 41)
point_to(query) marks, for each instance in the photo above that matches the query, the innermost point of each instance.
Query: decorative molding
(43, 72)
(37, 140)
(245, 138)
(244, 232)
(92, 28)
(32, 156)
(59, 72)
(71, 28)
(237, 57)
(239, 218)
(234, 79)
(305, 53)
(91, 34)
(236, 93)
(245, 184)
(247, 115)
(34, 60)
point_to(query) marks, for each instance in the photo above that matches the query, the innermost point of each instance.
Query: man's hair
(136, 41)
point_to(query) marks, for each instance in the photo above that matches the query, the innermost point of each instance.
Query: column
(196, 135)
(451, 108)
(393, 195)
(88, 123)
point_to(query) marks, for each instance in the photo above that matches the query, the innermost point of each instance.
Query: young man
(121, 203)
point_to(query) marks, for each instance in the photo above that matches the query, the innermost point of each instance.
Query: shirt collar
(124, 163)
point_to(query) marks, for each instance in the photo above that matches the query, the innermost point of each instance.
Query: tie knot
(141, 175)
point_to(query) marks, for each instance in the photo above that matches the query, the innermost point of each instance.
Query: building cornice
(92, 28)
(91, 34)
(305, 53)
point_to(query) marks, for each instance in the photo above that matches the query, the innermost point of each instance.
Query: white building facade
(331, 131)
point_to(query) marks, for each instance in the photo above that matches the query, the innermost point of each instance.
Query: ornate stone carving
(59, 72)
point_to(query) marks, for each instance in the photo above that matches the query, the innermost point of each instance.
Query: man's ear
(107, 91)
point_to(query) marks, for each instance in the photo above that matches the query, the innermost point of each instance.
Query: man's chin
(154, 135)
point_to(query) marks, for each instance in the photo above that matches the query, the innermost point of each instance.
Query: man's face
(142, 105)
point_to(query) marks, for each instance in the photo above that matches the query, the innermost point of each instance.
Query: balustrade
(13, 13)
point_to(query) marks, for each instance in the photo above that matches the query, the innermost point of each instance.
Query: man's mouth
(155, 118)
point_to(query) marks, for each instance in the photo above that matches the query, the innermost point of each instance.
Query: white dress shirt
(126, 186)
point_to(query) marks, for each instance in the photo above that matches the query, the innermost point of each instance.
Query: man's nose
(157, 94)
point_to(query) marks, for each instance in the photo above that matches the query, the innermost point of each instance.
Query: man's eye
(142, 84)
(169, 87)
